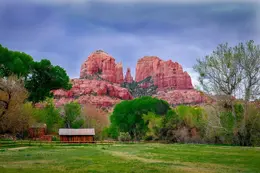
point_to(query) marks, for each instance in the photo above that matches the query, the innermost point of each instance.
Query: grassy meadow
(94, 158)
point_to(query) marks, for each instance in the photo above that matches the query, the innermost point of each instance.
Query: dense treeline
(228, 71)
(149, 118)
(39, 78)
(24, 80)
(226, 74)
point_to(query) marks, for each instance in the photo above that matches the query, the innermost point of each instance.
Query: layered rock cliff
(177, 97)
(165, 74)
(101, 76)
(101, 63)
(95, 92)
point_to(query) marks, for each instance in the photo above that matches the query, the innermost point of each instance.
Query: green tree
(128, 115)
(45, 77)
(249, 61)
(14, 63)
(72, 117)
(220, 72)
(154, 123)
(50, 115)
(40, 78)
(178, 124)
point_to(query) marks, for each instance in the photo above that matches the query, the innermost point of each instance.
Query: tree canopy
(72, 116)
(39, 77)
(128, 115)
(45, 77)
(14, 63)
(229, 69)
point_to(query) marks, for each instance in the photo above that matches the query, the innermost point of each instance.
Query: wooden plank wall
(76, 139)
(36, 132)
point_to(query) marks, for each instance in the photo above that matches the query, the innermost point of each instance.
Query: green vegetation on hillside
(142, 88)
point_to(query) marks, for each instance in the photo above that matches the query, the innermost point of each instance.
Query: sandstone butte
(174, 85)
(165, 74)
(102, 63)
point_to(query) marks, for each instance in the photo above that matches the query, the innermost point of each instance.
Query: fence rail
(19, 143)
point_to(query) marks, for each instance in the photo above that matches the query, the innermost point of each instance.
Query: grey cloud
(68, 34)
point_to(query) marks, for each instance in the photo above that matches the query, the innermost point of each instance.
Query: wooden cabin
(37, 130)
(77, 135)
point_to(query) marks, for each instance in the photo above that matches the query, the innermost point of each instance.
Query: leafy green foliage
(112, 131)
(128, 115)
(192, 116)
(154, 123)
(179, 122)
(228, 69)
(49, 115)
(40, 77)
(14, 63)
(220, 72)
(72, 116)
(44, 78)
(124, 136)
(249, 132)
(138, 90)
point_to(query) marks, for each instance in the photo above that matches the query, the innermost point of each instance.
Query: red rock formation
(119, 73)
(103, 64)
(128, 76)
(166, 74)
(174, 85)
(176, 97)
(95, 92)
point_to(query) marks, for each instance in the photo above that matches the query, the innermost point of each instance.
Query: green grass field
(179, 158)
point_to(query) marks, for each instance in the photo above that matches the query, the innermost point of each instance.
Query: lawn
(123, 158)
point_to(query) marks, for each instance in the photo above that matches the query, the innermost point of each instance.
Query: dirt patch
(18, 148)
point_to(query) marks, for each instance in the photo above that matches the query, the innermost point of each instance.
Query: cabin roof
(38, 125)
(72, 132)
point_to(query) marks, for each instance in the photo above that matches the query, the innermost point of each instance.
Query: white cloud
(194, 76)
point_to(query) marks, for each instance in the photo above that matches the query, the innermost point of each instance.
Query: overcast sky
(66, 31)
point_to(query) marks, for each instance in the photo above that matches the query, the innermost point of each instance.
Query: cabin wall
(77, 139)
(36, 132)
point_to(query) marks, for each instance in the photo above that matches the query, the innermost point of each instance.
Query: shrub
(238, 128)
(249, 130)
(184, 124)
(49, 115)
(55, 138)
(112, 132)
(154, 124)
(13, 116)
(72, 115)
(124, 136)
